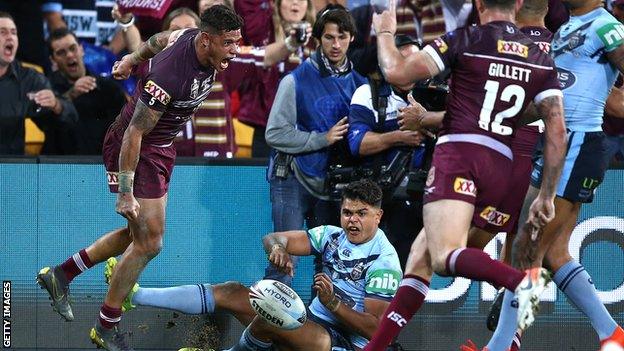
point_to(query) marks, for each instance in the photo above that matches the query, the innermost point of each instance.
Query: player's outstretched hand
(324, 287)
(127, 206)
(541, 212)
(386, 21)
(281, 259)
(122, 69)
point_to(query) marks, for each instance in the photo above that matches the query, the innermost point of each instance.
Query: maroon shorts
(152, 174)
(512, 203)
(472, 173)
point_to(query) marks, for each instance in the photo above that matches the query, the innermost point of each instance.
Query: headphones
(317, 29)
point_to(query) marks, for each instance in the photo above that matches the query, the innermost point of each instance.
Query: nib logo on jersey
(384, 281)
(494, 217)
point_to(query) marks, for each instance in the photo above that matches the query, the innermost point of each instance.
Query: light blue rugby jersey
(586, 76)
(368, 270)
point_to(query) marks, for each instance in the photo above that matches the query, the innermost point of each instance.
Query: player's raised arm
(397, 69)
(155, 44)
(542, 210)
(143, 121)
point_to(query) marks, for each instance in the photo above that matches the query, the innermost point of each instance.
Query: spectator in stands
(24, 93)
(29, 16)
(268, 27)
(97, 99)
(202, 5)
(308, 116)
(375, 138)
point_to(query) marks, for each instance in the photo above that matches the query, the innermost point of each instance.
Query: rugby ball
(278, 304)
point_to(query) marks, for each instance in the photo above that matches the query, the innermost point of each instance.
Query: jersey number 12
(491, 95)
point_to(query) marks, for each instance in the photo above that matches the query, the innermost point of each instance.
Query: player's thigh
(446, 226)
(150, 223)
(311, 336)
(419, 260)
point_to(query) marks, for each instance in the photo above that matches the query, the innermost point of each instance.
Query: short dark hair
(220, 18)
(6, 15)
(337, 14)
(179, 12)
(534, 8)
(500, 4)
(364, 190)
(58, 34)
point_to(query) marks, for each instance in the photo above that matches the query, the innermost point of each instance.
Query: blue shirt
(364, 118)
(586, 75)
(358, 271)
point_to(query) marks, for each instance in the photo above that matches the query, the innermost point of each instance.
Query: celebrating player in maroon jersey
(139, 156)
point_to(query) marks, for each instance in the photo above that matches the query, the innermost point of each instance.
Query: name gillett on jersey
(502, 70)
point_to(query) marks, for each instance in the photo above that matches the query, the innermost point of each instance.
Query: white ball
(611, 346)
(277, 304)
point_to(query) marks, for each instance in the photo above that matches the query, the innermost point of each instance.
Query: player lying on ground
(361, 273)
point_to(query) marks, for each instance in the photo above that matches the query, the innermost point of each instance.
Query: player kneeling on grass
(361, 273)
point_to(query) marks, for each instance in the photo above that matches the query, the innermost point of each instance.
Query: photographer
(388, 155)
(307, 119)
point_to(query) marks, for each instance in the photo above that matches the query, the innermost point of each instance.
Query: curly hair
(220, 18)
(364, 190)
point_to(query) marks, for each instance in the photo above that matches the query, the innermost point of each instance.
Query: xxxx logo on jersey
(465, 186)
(157, 92)
(441, 44)
(494, 217)
(513, 48)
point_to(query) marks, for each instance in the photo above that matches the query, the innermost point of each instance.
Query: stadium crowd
(329, 93)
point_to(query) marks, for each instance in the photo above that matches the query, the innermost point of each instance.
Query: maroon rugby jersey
(174, 83)
(526, 137)
(496, 70)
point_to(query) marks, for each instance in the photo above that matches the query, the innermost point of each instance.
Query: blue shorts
(339, 342)
(584, 168)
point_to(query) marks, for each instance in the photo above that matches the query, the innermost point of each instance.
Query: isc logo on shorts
(465, 186)
(112, 177)
(494, 217)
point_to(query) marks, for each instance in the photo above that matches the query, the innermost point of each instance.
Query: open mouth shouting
(225, 63)
(8, 51)
(353, 230)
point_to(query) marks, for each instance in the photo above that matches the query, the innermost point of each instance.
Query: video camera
(391, 178)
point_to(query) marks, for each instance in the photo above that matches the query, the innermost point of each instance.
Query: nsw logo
(567, 79)
(384, 281)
